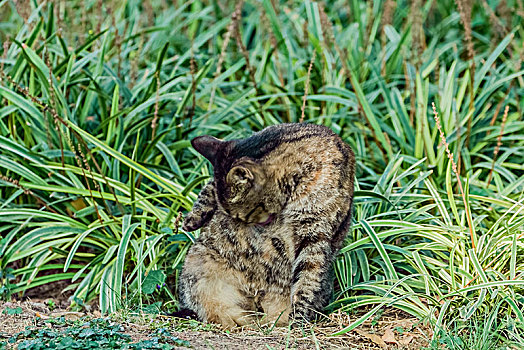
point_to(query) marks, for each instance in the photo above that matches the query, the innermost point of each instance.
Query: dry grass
(393, 330)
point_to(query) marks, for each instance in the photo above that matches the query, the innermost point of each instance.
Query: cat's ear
(240, 175)
(208, 146)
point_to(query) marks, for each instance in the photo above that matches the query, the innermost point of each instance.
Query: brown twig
(227, 38)
(417, 32)
(411, 84)
(306, 89)
(343, 58)
(495, 22)
(51, 101)
(305, 34)
(245, 53)
(135, 60)
(155, 113)
(6, 46)
(24, 10)
(274, 43)
(464, 7)
(499, 107)
(192, 69)
(99, 8)
(82, 32)
(454, 168)
(27, 191)
(387, 18)
(499, 143)
(79, 163)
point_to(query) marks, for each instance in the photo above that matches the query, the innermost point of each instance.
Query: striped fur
(272, 220)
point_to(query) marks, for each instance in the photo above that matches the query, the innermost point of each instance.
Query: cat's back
(303, 159)
(308, 138)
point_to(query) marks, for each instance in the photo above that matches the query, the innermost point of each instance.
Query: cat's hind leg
(225, 304)
(277, 307)
(311, 282)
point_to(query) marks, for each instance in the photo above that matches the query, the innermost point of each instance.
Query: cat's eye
(239, 175)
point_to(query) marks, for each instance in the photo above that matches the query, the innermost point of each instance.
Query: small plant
(6, 283)
(481, 332)
(51, 304)
(90, 334)
(12, 311)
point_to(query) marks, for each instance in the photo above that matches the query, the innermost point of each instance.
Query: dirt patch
(390, 331)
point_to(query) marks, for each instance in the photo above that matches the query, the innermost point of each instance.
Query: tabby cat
(273, 218)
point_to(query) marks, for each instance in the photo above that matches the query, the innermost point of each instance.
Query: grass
(100, 99)
(480, 332)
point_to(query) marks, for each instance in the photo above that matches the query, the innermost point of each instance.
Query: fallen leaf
(406, 339)
(389, 336)
(42, 316)
(373, 337)
(406, 324)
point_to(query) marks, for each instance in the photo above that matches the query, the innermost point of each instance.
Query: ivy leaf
(12, 310)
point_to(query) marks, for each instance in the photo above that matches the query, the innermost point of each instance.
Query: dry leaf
(407, 324)
(373, 337)
(42, 316)
(406, 339)
(389, 336)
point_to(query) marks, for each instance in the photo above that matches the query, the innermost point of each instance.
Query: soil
(392, 330)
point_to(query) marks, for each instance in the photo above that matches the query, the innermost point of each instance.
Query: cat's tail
(184, 313)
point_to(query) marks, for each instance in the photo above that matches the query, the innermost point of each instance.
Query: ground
(392, 330)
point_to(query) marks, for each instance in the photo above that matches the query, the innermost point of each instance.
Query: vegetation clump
(99, 99)
(88, 334)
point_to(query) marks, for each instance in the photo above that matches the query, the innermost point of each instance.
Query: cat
(272, 219)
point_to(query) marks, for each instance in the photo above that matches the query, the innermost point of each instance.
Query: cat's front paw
(195, 220)
(192, 223)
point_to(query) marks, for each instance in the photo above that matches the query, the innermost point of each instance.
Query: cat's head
(244, 189)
